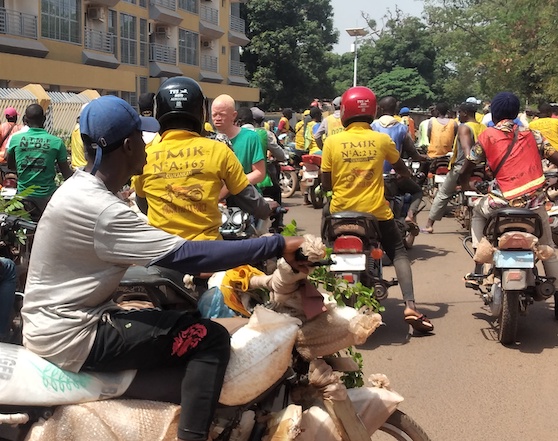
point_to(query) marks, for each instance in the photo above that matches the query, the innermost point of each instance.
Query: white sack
(374, 406)
(27, 379)
(260, 355)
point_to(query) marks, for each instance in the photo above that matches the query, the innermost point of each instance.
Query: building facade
(123, 47)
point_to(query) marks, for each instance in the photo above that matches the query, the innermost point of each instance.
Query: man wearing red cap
(6, 129)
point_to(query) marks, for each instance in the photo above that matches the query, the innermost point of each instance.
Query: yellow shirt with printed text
(548, 127)
(181, 182)
(355, 159)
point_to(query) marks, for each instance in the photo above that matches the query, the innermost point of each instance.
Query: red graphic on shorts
(188, 339)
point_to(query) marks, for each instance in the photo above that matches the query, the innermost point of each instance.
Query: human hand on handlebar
(292, 244)
(273, 205)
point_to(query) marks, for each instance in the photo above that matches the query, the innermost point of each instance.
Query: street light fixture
(356, 32)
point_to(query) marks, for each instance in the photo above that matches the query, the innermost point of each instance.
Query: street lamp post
(356, 32)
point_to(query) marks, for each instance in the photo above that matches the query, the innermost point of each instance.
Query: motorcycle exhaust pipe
(545, 290)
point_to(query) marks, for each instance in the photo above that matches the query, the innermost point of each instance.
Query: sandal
(428, 230)
(420, 323)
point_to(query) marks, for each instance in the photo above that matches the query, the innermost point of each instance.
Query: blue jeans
(7, 293)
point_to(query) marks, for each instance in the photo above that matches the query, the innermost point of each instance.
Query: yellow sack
(237, 279)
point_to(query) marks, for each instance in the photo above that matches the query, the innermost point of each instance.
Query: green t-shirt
(36, 154)
(247, 148)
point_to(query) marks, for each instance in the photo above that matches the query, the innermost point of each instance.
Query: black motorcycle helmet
(181, 97)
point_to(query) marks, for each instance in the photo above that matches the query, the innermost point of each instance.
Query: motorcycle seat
(363, 225)
(153, 275)
(352, 215)
(512, 219)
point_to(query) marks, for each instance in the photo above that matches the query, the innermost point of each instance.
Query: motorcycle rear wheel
(399, 426)
(317, 196)
(509, 317)
(288, 181)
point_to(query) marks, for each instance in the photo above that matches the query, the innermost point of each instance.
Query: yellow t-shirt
(309, 141)
(355, 159)
(299, 135)
(77, 149)
(548, 127)
(182, 180)
(334, 125)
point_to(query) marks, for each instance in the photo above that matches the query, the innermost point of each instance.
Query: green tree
(497, 45)
(287, 55)
(405, 84)
(400, 49)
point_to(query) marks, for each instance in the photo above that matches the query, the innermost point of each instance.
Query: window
(143, 3)
(189, 5)
(128, 39)
(188, 47)
(131, 98)
(130, 1)
(61, 20)
(112, 27)
(143, 42)
(142, 85)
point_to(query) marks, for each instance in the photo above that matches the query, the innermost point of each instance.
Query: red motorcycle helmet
(358, 104)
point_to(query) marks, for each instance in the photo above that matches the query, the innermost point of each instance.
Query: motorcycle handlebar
(301, 257)
(15, 222)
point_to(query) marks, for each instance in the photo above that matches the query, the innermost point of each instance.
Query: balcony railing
(237, 24)
(209, 63)
(208, 14)
(18, 23)
(99, 40)
(237, 69)
(161, 53)
(169, 4)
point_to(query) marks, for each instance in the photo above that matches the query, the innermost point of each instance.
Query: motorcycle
(466, 200)
(512, 282)
(16, 239)
(310, 182)
(294, 381)
(551, 206)
(9, 184)
(289, 175)
(357, 251)
(237, 224)
(437, 172)
(400, 203)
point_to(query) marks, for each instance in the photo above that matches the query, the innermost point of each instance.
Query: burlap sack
(484, 252)
(374, 406)
(112, 420)
(336, 329)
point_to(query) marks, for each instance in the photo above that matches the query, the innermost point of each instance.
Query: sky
(347, 14)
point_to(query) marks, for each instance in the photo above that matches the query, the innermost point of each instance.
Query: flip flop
(428, 230)
(419, 323)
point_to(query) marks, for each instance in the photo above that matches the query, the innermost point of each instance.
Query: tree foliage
(457, 49)
(398, 58)
(406, 84)
(497, 45)
(287, 55)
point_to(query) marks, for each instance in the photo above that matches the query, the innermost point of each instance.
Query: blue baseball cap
(404, 110)
(108, 120)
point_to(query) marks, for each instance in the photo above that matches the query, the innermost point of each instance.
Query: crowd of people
(193, 161)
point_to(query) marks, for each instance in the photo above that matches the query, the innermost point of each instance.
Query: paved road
(460, 384)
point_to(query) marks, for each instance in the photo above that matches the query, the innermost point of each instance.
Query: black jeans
(154, 341)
